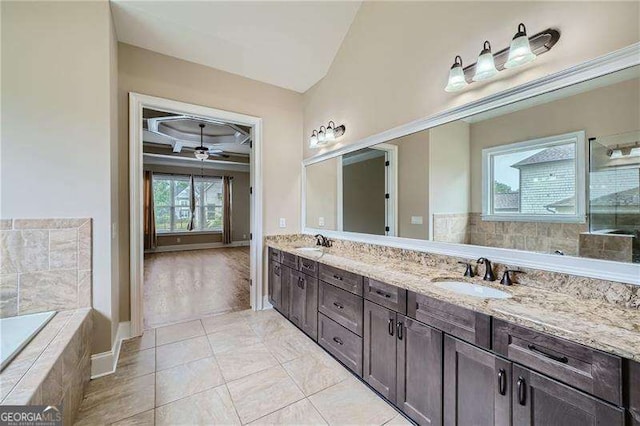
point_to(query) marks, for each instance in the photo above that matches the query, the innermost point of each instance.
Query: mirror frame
(592, 268)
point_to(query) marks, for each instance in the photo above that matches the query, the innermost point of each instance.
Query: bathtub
(17, 332)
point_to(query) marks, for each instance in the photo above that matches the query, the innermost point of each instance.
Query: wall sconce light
(522, 50)
(326, 135)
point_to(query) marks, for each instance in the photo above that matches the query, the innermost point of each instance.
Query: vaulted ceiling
(287, 44)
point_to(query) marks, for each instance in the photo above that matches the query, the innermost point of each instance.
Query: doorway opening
(195, 229)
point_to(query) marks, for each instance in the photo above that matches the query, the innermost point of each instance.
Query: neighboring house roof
(555, 153)
(506, 201)
(565, 202)
(629, 197)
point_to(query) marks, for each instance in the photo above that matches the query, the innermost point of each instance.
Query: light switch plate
(283, 222)
(416, 220)
(321, 221)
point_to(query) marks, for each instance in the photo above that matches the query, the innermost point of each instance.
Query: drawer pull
(502, 382)
(391, 327)
(307, 265)
(562, 359)
(382, 293)
(522, 391)
(338, 305)
(338, 340)
(399, 328)
(337, 277)
(301, 282)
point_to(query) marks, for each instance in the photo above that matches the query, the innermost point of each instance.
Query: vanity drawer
(584, 368)
(465, 324)
(341, 343)
(309, 267)
(387, 295)
(274, 254)
(291, 260)
(341, 306)
(343, 279)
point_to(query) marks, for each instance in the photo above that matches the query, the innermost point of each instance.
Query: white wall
(394, 61)
(58, 128)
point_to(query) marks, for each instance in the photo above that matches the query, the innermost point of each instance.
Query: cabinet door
(303, 306)
(285, 290)
(477, 386)
(539, 400)
(379, 368)
(275, 284)
(419, 371)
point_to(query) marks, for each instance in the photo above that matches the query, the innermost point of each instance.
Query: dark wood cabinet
(379, 366)
(386, 295)
(477, 386)
(539, 400)
(341, 306)
(343, 344)
(303, 302)
(419, 371)
(584, 368)
(275, 281)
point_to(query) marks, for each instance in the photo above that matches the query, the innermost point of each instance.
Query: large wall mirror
(557, 173)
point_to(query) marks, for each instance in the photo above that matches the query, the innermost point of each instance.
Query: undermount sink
(473, 290)
(310, 249)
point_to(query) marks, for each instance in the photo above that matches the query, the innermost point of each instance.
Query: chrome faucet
(488, 272)
(323, 241)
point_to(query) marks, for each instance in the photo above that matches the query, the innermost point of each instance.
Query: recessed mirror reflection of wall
(558, 173)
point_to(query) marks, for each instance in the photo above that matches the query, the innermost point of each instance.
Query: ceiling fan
(202, 152)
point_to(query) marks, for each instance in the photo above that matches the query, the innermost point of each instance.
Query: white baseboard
(184, 247)
(105, 363)
(266, 304)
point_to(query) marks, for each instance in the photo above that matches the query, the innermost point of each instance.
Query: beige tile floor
(187, 285)
(239, 368)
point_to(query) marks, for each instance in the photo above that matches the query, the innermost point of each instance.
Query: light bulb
(457, 81)
(313, 140)
(615, 153)
(486, 66)
(520, 50)
(635, 152)
(330, 134)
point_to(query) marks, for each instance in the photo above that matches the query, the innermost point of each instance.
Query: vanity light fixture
(523, 50)
(614, 153)
(635, 151)
(520, 50)
(486, 66)
(326, 135)
(457, 80)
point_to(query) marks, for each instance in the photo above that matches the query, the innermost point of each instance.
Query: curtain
(226, 210)
(192, 204)
(150, 235)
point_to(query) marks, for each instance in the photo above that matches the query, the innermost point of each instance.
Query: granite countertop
(600, 325)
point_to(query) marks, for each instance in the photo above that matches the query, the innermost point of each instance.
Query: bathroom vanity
(445, 358)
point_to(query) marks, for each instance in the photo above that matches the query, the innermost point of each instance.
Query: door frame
(139, 101)
(391, 187)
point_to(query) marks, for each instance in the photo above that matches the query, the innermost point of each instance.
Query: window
(537, 180)
(172, 201)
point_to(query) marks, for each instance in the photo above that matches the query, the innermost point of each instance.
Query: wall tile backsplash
(45, 264)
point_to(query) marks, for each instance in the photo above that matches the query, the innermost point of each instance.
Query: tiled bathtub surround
(45, 264)
(54, 367)
(600, 314)
(541, 237)
(451, 228)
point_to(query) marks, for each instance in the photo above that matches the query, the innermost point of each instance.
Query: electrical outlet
(114, 230)
(321, 221)
(244, 236)
(178, 239)
(416, 220)
(283, 222)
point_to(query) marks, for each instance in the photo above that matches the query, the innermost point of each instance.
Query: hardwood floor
(186, 285)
